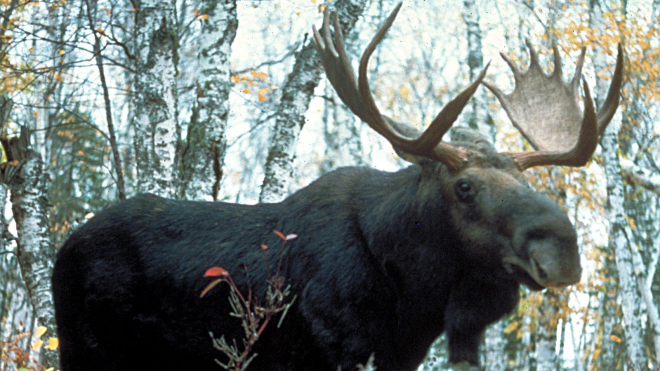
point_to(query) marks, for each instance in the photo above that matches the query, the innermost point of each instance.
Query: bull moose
(384, 263)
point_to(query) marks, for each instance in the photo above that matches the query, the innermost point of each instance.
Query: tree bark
(546, 336)
(608, 312)
(478, 114)
(494, 349)
(203, 157)
(290, 116)
(621, 246)
(34, 249)
(156, 130)
(341, 134)
(620, 243)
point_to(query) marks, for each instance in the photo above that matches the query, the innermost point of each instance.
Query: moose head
(496, 214)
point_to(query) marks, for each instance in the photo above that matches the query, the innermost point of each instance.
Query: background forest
(226, 100)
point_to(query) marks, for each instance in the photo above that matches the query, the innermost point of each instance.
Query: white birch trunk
(477, 113)
(290, 116)
(341, 134)
(494, 347)
(647, 295)
(608, 311)
(154, 91)
(619, 243)
(204, 155)
(628, 289)
(546, 335)
(35, 251)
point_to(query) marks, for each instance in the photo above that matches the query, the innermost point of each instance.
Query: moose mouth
(527, 273)
(525, 278)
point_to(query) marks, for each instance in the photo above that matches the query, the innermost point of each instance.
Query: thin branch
(636, 175)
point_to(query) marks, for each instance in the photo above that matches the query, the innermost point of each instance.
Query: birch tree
(609, 304)
(204, 152)
(290, 115)
(637, 141)
(478, 116)
(341, 134)
(495, 343)
(154, 92)
(546, 356)
(24, 175)
(620, 243)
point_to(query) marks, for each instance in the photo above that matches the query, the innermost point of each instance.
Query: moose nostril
(542, 274)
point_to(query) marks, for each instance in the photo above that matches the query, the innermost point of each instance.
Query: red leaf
(209, 287)
(216, 272)
(279, 234)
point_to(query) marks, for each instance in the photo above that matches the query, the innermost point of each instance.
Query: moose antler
(544, 108)
(357, 96)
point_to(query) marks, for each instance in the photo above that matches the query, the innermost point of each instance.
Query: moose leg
(473, 305)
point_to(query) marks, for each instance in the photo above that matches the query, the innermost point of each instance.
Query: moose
(383, 264)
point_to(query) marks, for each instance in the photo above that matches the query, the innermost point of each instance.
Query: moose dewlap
(383, 264)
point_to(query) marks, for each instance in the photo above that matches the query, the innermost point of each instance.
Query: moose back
(384, 263)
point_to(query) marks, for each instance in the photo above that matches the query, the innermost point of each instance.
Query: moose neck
(405, 222)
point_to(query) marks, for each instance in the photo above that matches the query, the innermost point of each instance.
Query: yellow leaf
(37, 345)
(41, 330)
(61, 51)
(35, 113)
(80, 152)
(246, 91)
(100, 30)
(313, 1)
(31, 50)
(203, 17)
(615, 338)
(53, 343)
(262, 97)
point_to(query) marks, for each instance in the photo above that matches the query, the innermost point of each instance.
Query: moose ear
(461, 134)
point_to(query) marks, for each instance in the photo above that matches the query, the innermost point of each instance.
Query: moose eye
(464, 191)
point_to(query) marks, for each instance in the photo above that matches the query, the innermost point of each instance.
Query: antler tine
(611, 103)
(337, 66)
(340, 73)
(379, 123)
(557, 61)
(575, 82)
(533, 56)
(545, 110)
(357, 96)
(448, 115)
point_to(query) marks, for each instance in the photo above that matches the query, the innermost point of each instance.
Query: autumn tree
(157, 131)
(290, 115)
